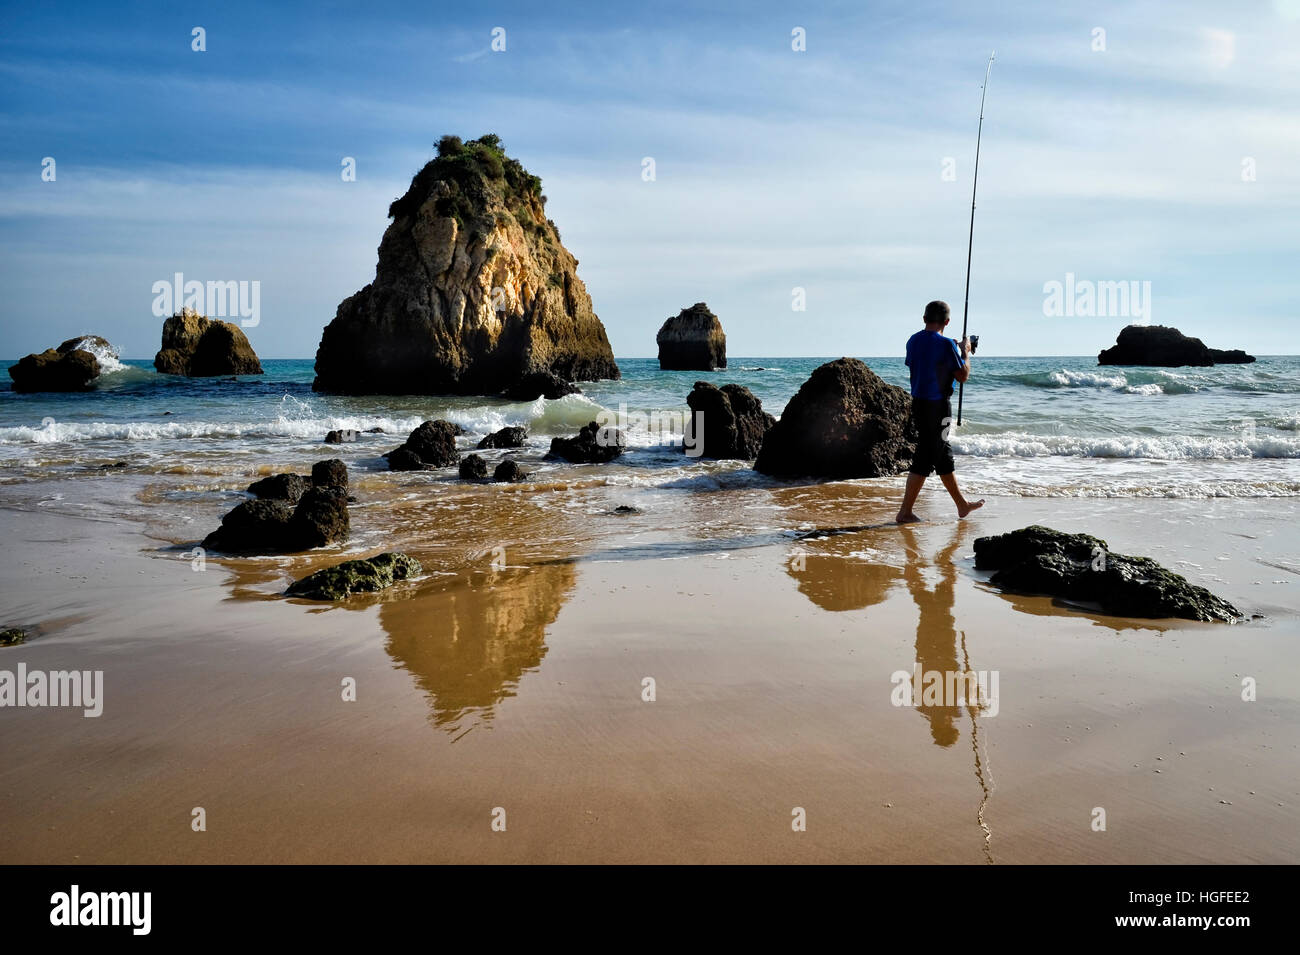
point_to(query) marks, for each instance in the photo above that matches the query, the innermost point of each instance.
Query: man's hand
(965, 349)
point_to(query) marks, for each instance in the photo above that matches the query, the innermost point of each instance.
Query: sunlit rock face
(473, 290)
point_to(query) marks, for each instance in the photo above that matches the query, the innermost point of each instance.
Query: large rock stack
(692, 340)
(196, 346)
(473, 291)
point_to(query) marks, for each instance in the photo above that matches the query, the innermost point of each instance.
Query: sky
(1123, 142)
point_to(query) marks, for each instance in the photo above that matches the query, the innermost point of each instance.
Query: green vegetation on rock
(355, 577)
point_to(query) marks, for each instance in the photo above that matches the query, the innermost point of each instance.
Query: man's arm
(962, 372)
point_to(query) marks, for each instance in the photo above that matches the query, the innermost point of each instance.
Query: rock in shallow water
(355, 577)
(473, 468)
(729, 421)
(509, 471)
(1080, 567)
(272, 524)
(591, 445)
(331, 473)
(512, 437)
(844, 422)
(432, 444)
(280, 487)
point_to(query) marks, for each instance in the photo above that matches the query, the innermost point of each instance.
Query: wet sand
(511, 675)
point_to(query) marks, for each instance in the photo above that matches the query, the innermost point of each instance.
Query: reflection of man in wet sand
(935, 363)
(936, 628)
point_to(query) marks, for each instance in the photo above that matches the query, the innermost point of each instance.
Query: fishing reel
(974, 343)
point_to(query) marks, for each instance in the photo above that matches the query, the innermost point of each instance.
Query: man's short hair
(936, 312)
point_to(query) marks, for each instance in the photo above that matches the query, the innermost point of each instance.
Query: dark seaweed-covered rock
(473, 468)
(727, 422)
(509, 471)
(280, 487)
(1080, 567)
(341, 436)
(844, 422)
(254, 527)
(512, 437)
(320, 518)
(12, 636)
(692, 340)
(540, 384)
(591, 445)
(1165, 347)
(403, 460)
(355, 577)
(331, 473)
(433, 444)
(276, 527)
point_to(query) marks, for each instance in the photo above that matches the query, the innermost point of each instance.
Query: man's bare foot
(964, 509)
(910, 518)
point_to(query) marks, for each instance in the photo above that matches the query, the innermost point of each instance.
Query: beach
(502, 711)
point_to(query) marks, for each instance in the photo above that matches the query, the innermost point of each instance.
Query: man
(935, 362)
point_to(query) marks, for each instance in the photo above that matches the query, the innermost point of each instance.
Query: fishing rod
(965, 312)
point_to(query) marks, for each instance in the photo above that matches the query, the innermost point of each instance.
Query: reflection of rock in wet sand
(828, 574)
(468, 644)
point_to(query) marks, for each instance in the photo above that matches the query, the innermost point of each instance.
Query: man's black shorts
(933, 453)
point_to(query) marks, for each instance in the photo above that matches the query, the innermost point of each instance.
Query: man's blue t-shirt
(933, 360)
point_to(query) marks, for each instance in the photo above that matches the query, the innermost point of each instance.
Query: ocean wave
(297, 419)
(1170, 490)
(1133, 383)
(113, 373)
(107, 357)
(1171, 448)
(54, 432)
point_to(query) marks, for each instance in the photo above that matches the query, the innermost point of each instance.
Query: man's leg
(914, 482)
(964, 506)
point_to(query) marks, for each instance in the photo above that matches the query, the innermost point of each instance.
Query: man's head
(937, 314)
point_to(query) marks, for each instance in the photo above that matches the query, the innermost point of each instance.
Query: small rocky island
(196, 346)
(1165, 347)
(473, 292)
(70, 367)
(692, 340)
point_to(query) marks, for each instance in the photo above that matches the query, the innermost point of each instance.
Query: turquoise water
(1031, 425)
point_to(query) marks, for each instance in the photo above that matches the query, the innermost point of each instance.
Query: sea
(1031, 426)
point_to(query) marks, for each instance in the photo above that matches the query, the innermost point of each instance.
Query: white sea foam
(1170, 448)
(107, 357)
(297, 419)
(1168, 383)
(304, 428)
(1087, 379)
